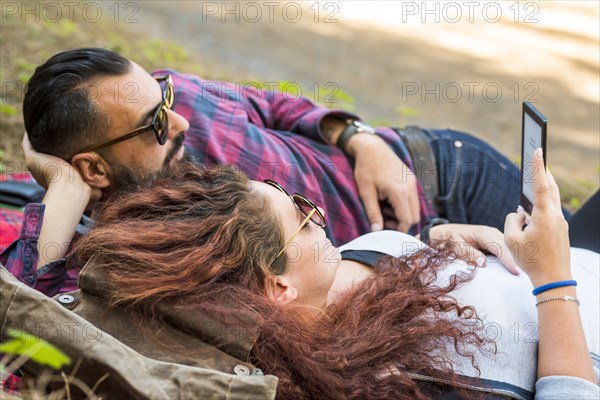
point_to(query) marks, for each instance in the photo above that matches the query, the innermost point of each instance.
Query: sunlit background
(465, 65)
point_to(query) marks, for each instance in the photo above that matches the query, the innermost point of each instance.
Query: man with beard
(90, 140)
(97, 122)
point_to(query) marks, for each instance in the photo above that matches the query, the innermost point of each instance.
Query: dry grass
(39, 41)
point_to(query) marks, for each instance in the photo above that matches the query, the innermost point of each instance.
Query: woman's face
(312, 260)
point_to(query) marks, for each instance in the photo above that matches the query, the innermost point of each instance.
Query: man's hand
(48, 170)
(45, 168)
(67, 196)
(471, 239)
(381, 175)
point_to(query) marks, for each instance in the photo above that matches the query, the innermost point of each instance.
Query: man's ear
(282, 290)
(94, 170)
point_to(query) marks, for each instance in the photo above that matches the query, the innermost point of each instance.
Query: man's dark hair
(60, 117)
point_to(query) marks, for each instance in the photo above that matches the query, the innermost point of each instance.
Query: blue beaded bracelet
(553, 285)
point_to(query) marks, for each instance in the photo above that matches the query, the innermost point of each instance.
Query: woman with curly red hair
(407, 323)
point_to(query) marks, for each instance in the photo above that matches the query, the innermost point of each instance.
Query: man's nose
(177, 124)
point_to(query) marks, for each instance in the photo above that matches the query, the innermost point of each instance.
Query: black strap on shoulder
(367, 257)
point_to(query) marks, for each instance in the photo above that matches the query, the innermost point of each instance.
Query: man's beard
(177, 145)
(125, 177)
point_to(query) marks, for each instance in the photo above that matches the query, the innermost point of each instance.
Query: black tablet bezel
(542, 121)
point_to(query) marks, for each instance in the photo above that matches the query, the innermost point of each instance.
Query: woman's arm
(562, 347)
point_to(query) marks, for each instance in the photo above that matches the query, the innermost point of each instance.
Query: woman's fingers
(498, 248)
(521, 211)
(542, 192)
(491, 240)
(470, 253)
(553, 189)
(513, 229)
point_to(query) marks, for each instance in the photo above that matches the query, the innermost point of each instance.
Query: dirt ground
(464, 65)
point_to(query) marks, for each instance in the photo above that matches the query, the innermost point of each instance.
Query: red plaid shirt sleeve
(21, 258)
(283, 112)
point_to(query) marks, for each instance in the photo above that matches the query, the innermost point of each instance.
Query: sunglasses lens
(161, 126)
(169, 94)
(306, 207)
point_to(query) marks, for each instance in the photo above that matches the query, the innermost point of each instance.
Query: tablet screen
(532, 140)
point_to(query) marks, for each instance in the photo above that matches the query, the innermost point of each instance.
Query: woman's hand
(542, 248)
(472, 239)
(562, 349)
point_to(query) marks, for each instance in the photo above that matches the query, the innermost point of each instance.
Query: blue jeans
(477, 184)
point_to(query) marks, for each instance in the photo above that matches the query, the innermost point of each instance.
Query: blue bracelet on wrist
(553, 285)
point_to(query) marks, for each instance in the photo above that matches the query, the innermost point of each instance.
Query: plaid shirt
(21, 257)
(272, 135)
(268, 135)
(11, 217)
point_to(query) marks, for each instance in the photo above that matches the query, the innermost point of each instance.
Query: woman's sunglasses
(306, 206)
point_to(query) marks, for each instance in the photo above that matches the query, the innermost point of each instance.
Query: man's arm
(379, 173)
(332, 128)
(37, 257)
(21, 257)
(66, 198)
(280, 111)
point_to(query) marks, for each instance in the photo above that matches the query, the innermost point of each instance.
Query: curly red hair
(203, 234)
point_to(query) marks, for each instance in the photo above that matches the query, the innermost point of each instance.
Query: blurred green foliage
(8, 110)
(34, 348)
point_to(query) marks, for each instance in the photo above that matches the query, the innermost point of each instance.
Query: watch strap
(354, 127)
(346, 135)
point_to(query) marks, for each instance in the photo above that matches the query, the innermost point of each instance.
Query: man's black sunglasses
(159, 123)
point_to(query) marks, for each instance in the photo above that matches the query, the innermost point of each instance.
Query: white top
(506, 305)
